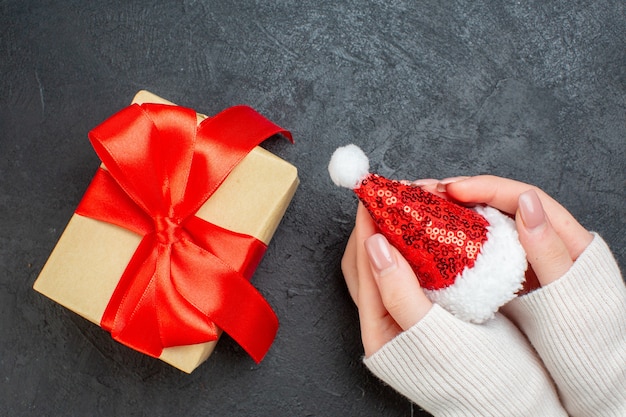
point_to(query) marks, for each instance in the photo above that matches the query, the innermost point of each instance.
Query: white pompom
(348, 166)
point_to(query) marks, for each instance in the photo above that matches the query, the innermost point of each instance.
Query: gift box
(144, 285)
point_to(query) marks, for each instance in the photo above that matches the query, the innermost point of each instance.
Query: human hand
(385, 288)
(382, 285)
(550, 235)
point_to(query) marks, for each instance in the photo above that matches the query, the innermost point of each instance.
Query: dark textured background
(534, 90)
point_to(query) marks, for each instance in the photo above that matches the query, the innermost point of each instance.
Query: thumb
(399, 288)
(545, 250)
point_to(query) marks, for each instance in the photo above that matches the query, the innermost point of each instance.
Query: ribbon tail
(129, 315)
(225, 296)
(248, 319)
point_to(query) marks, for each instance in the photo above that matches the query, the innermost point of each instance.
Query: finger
(503, 194)
(377, 326)
(370, 305)
(348, 267)
(442, 185)
(399, 288)
(425, 182)
(430, 185)
(363, 228)
(364, 222)
(546, 252)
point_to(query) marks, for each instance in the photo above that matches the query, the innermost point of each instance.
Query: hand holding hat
(468, 260)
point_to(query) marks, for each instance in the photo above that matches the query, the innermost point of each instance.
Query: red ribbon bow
(187, 277)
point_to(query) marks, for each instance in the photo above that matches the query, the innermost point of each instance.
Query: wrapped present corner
(162, 246)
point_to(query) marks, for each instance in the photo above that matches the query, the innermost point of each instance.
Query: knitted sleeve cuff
(454, 368)
(577, 325)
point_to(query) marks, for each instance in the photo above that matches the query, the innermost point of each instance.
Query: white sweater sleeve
(578, 326)
(453, 368)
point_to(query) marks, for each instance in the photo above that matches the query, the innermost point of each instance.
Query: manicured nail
(424, 182)
(379, 252)
(441, 185)
(531, 210)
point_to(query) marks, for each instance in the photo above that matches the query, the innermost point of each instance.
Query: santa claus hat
(468, 260)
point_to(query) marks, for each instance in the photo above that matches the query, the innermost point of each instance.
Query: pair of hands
(385, 288)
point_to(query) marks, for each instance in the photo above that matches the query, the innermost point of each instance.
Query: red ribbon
(187, 277)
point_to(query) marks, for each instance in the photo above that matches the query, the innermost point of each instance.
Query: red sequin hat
(468, 260)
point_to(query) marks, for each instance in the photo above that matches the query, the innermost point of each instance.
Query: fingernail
(531, 210)
(379, 252)
(424, 182)
(441, 185)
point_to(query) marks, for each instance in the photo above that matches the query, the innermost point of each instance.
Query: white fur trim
(496, 277)
(348, 166)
